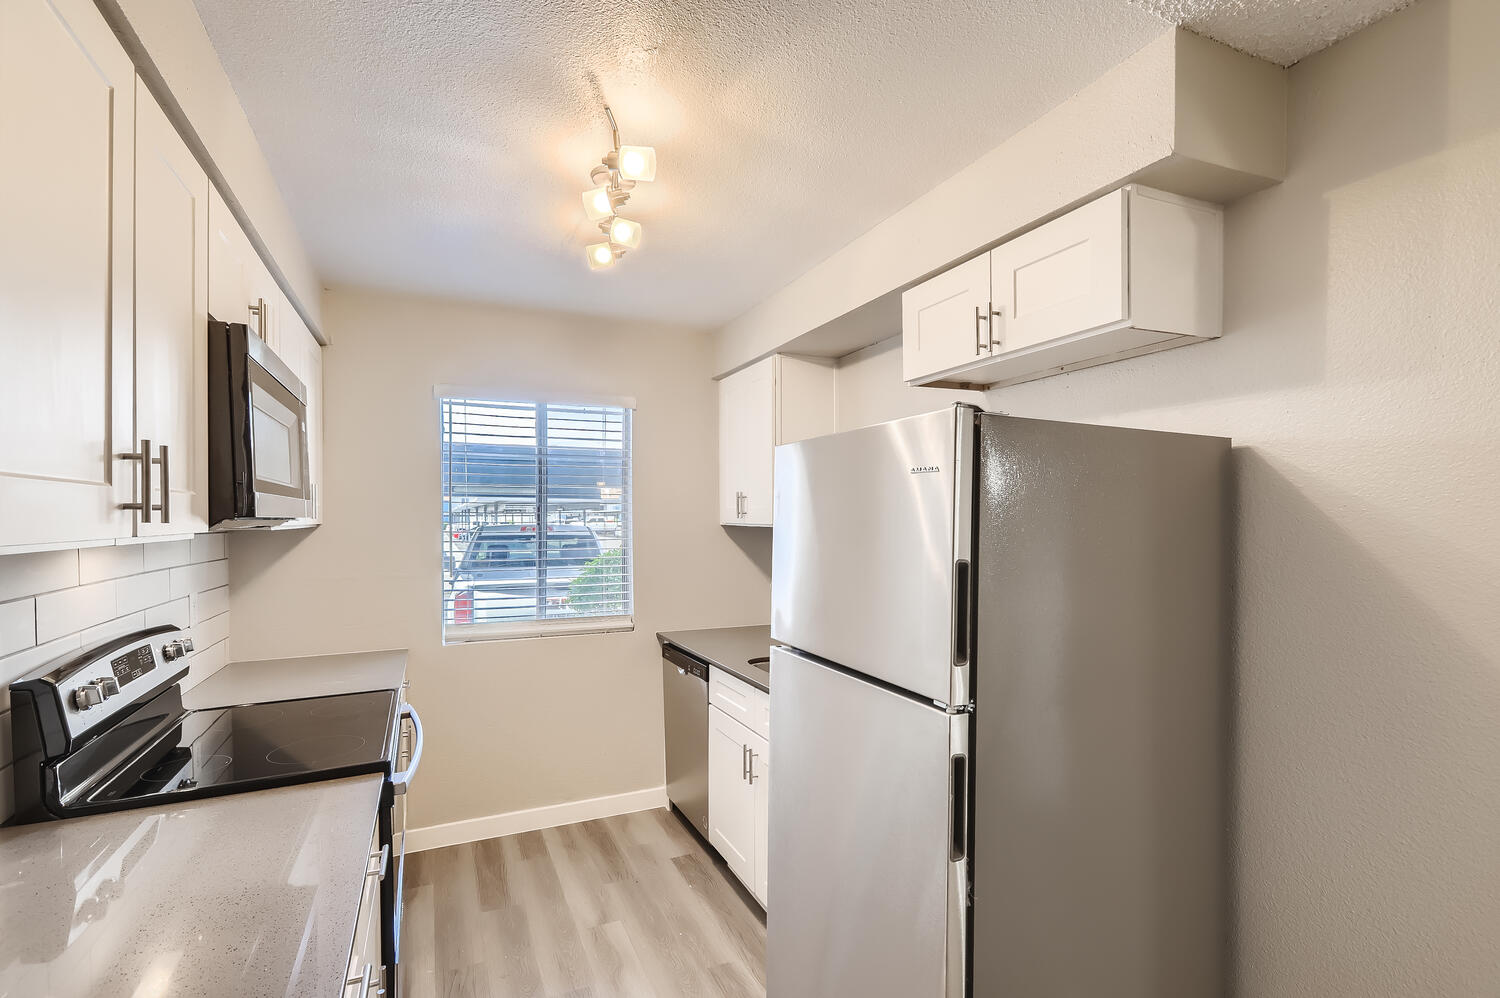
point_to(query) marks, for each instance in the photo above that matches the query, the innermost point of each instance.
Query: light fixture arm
(614, 129)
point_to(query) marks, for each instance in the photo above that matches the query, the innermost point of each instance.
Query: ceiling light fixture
(614, 178)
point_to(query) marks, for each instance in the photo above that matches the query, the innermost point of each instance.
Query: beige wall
(510, 724)
(1359, 376)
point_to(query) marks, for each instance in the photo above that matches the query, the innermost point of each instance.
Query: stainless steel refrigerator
(1000, 721)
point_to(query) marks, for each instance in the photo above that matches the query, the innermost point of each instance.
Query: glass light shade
(597, 205)
(600, 255)
(638, 162)
(624, 232)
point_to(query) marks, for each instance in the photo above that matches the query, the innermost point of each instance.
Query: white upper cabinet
(67, 128)
(945, 321)
(1066, 276)
(1132, 272)
(171, 322)
(114, 249)
(778, 400)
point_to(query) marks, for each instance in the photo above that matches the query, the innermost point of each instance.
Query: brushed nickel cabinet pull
(143, 456)
(166, 486)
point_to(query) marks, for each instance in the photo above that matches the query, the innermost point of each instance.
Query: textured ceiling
(440, 146)
(1280, 31)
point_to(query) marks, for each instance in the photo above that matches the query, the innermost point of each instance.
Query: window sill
(462, 634)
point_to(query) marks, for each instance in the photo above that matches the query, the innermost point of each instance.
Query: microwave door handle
(401, 780)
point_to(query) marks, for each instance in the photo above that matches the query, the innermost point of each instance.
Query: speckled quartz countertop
(296, 678)
(248, 894)
(730, 648)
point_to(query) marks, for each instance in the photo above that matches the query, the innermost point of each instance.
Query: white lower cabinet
(739, 785)
(366, 971)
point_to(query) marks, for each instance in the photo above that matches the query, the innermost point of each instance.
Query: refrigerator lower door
(871, 558)
(868, 839)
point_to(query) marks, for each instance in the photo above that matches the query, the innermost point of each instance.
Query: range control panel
(88, 688)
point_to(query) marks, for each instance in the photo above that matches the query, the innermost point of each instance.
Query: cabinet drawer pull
(980, 315)
(384, 856)
(751, 753)
(996, 313)
(363, 980)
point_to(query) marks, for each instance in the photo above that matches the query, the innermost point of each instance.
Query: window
(536, 518)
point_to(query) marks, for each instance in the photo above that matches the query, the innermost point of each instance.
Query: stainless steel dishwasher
(684, 683)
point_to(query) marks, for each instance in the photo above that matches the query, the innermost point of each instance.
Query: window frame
(537, 627)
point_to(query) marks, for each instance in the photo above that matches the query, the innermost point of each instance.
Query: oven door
(278, 446)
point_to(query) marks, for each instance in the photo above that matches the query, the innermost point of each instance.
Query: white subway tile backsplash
(207, 547)
(56, 602)
(70, 610)
(197, 578)
(210, 632)
(141, 591)
(100, 633)
(210, 603)
(166, 554)
(30, 574)
(15, 666)
(98, 564)
(205, 663)
(178, 612)
(17, 626)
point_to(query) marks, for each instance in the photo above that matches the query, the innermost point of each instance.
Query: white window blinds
(536, 518)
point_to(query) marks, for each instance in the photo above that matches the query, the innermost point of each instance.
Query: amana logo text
(924, 469)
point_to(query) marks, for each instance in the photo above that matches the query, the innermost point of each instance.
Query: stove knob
(109, 686)
(172, 650)
(187, 644)
(88, 696)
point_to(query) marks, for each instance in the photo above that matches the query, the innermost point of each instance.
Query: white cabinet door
(729, 451)
(171, 322)
(945, 320)
(67, 117)
(229, 265)
(760, 783)
(757, 448)
(1062, 278)
(747, 440)
(731, 798)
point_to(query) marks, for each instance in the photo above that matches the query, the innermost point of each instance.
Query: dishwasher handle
(686, 664)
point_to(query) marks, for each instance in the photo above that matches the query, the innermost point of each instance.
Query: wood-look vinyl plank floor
(630, 907)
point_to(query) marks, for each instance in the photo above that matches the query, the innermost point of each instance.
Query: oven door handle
(400, 781)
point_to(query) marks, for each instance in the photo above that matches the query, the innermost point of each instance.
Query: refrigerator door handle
(962, 630)
(959, 893)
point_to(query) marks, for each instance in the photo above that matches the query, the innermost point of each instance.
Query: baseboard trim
(491, 826)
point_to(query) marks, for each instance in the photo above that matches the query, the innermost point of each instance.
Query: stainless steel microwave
(257, 433)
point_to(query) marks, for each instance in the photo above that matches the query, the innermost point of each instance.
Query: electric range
(105, 730)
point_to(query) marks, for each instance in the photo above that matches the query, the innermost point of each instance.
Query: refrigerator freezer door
(868, 870)
(870, 524)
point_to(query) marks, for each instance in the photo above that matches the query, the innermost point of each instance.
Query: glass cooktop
(259, 745)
